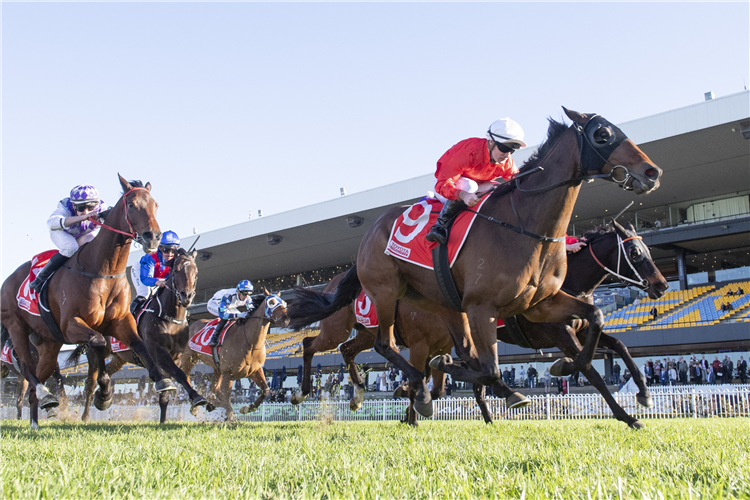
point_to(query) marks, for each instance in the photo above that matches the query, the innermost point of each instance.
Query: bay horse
(22, 385)
(242, 352)
(89, 298)
(505, 268)
(612, 250)
(163, 326)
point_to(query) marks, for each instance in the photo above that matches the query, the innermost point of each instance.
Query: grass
(704, 458)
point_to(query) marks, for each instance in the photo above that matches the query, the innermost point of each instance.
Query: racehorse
(23, 385)
(164, 329)
(89, 297)
(242, 352)
(612, 250)
(505, 268)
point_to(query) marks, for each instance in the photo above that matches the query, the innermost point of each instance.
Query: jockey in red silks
(152, 270)
(471, 166)
(69, 227)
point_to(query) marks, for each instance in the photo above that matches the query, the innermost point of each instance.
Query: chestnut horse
(612, 250)
(242, 352)
(89, 298)
(513, 260)
(164, 329)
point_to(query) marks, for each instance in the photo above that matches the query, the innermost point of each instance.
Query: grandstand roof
(701, 149)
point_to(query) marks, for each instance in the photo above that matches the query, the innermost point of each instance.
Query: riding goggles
(168, 249)
(504, 148)
(85, 206)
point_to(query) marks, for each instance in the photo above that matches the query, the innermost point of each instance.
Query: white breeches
(141, 290)
(67, 243)
(468, 185)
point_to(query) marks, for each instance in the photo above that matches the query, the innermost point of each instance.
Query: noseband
(643, 283)
(132, 234)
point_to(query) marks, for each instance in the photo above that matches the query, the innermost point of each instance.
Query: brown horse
(89, 298)
(164, 329)
(505, 268)
(22, 385)
(242, 352)
(612, 250)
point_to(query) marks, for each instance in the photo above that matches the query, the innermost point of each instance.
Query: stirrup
(437, 234)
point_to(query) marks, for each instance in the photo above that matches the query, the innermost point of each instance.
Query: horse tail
(310, 306)
(75, 355)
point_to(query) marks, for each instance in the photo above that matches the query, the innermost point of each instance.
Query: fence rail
(677, 403)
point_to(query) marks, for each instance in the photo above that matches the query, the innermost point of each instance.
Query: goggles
(168, 249)
(85, 206)
(504, 148)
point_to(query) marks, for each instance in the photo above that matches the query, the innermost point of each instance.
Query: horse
(612, 250)
(504, 269)
(23, 385)
(98, 304)
(336, 329)
(242, 352)
(164, 329)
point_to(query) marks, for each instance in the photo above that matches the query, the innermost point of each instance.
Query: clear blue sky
(228, 108)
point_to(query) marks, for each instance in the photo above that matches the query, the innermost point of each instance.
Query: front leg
(124, 331)
(349, 350)
(643, 397)
(260, 380)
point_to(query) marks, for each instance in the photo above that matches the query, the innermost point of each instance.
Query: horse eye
(602, 135)
(635, 253)
(130, 204)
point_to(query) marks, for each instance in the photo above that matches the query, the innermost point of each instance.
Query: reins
(132, 234)
(643, 284)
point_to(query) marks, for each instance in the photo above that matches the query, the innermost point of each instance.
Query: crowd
(694, 371)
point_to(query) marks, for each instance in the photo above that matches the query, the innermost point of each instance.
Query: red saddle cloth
(364, 310)
(407, 236)
(199, 341)
(27, 298)
(117, 346)
(5, 355)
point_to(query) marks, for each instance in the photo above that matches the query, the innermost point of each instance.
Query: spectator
(716, 365)
(672, 376)
(547, 380)
(654, 312)
(616, 372)
(448, 386)
(682, 369)
(506, 376)
(730, 371)
(740, 291)
(742, 370)
(522, 376)
(711, 375)
(704, 368)
(512, 376)
(531, 374)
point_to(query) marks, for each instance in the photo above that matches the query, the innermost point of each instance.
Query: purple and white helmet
(84, 193)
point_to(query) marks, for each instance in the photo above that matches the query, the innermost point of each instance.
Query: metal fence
(679, 402)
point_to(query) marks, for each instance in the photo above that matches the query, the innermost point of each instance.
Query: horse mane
(135, 184)
(598, 232)
(555, 130)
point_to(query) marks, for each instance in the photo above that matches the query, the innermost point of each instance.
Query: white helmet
(508, 132)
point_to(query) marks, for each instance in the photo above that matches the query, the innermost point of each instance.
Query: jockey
(225, 304)
(470, 166)
(152, 271)
(573, 244)
(70, 228)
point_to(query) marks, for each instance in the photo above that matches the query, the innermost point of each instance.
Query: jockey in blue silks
(226, 303)
(152, 270)
(69, 227)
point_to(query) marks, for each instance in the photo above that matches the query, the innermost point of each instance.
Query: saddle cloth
(407, 240)
(27, 298)
(117, 346)
(364, 311)
(5, 355)
(199, 341)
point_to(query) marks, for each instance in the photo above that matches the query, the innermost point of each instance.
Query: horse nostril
(148, 235)
(652, 173)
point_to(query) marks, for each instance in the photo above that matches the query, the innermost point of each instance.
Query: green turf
(704, 458)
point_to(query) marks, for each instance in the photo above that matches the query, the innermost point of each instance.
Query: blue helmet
(84, 193)
(169, 239)
(245, 286)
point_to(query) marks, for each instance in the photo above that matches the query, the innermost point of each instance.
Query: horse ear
(125, 184)
(631, 227)
(265, 291)
(579, 118)
(194, 254)
(148, 186)
(619, 228)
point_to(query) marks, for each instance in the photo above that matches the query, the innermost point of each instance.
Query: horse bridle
(643, 283)
(132, 234)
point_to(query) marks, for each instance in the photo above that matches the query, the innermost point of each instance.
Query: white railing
(678, 403)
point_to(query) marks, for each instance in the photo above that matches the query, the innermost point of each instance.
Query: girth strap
(515, 331)
(444, 278)
(46, 315)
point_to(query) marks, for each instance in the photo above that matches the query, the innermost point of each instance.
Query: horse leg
(60, 386)
(47, 363)
(260, 380)
(163, 403)
(482, 403)
(643, 397)
(224, 396)
(88, 388)
(23, 387)
(561, 308)
(165, 361)
(124, 330)
(349, 350)
(103, 396)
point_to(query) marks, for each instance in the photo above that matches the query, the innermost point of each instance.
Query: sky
(232, 108)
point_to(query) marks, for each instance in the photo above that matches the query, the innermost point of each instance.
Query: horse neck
(109, 250)
(534, 209)
(255, 329)
(584, 274)
(171, 306)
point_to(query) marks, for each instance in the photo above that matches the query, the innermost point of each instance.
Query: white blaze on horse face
(419, 223)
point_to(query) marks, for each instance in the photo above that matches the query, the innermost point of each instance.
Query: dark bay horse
(513, 261)
(242, 352)
(612, 250)
(89, 298)
(164, 329)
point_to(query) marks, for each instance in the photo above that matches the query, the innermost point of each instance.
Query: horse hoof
(438, 362)
(645, 400)
(4, 371)
(164, 385)
(210, 407)
(399, 392)
(354, 405)
(34, 425)
(559, 368)
(637, 425)
(194, 411)
(198, 401)
(102, 404)
(48, 402)
(517, 400)
(424, 409)
(298, 397)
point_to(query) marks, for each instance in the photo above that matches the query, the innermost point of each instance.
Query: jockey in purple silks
(70, 228)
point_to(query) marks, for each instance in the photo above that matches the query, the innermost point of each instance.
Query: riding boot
(439, 232)
(55, 262)
(137, 305)
(214, 341)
